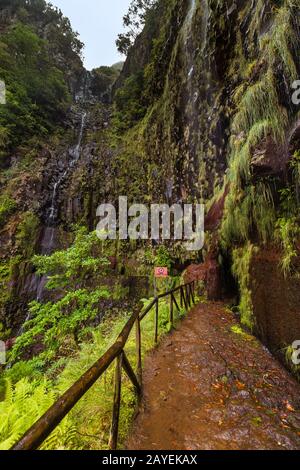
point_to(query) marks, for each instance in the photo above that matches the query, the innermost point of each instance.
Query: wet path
(207, 387)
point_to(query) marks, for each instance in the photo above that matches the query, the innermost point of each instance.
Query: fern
(23, 405)
(288, 233)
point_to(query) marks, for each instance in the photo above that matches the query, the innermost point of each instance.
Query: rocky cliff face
(53, 194)
(218, 125)
(202, 112)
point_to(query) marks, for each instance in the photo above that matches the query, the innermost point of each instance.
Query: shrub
(22, 406)
(241, 270)
(7, 206)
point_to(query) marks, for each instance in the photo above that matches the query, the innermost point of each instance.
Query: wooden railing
(39, 432)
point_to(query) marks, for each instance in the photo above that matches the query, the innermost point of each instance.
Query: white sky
(98, 22)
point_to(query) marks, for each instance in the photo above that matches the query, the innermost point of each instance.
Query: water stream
(47, 243)
(74, 153)
(48, 239)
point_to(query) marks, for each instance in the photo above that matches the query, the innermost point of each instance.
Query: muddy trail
(209, 388)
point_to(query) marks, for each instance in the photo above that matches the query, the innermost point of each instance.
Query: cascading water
(48, 238)
(188, 49)
(191, 12)
(195, 66)
(190, 95)
(74, 153)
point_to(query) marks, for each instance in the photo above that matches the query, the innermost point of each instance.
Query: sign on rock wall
(161, 272)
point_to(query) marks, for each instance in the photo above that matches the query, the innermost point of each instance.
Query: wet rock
(269, 158)
(215, 213)
(213, 280)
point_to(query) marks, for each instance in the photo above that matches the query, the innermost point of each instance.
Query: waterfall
(75, 155)
(48, 238)
(188, 47)
(189, 53)
(191, 12)
(76, 152)
(189, 18)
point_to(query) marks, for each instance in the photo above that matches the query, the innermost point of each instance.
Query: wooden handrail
(39, 432)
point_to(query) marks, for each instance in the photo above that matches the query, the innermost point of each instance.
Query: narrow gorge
(204, 110)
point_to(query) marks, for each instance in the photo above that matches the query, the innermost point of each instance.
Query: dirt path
(207, 387)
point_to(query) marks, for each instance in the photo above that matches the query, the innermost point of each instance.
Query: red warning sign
(161, 272)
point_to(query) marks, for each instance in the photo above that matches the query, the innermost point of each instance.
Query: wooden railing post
(171, 311)
(156, 321)
(114, 432)
(193, 291)
(190, 296)
(39, 432)
(131, 375)
(175, 302)
(184, 297)
(187, 293)
(139, 351)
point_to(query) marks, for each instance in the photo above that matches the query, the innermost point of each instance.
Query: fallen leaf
(217, 386)
(289, 407)
(240, 385)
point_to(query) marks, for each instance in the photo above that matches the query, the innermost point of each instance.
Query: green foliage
(263, 113)
(148, 256)
(20, 409)
(54, 325)
(241, 270)
(20, 370)
(103, 79)
(57, 29)
(92, 415)
(295, 166)
(57, 325)
(87, 425)
(37, 94)
(70, 268)
(288, 233)
(133, 21)
(7, 206)
(5, 274)
(4, 333)
(129, 106)
(260, 103)
(163, 257)
(38, 53)
(247, 211)
(236, 329)
(25, 235)
(288, 227)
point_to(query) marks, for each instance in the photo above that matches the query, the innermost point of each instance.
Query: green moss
(260, 103)
(241, 270)
(279, 45)
(248, 212)
(237, 330)
(26, 234)
(288, 233)
(261, 114)
(7, 206)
